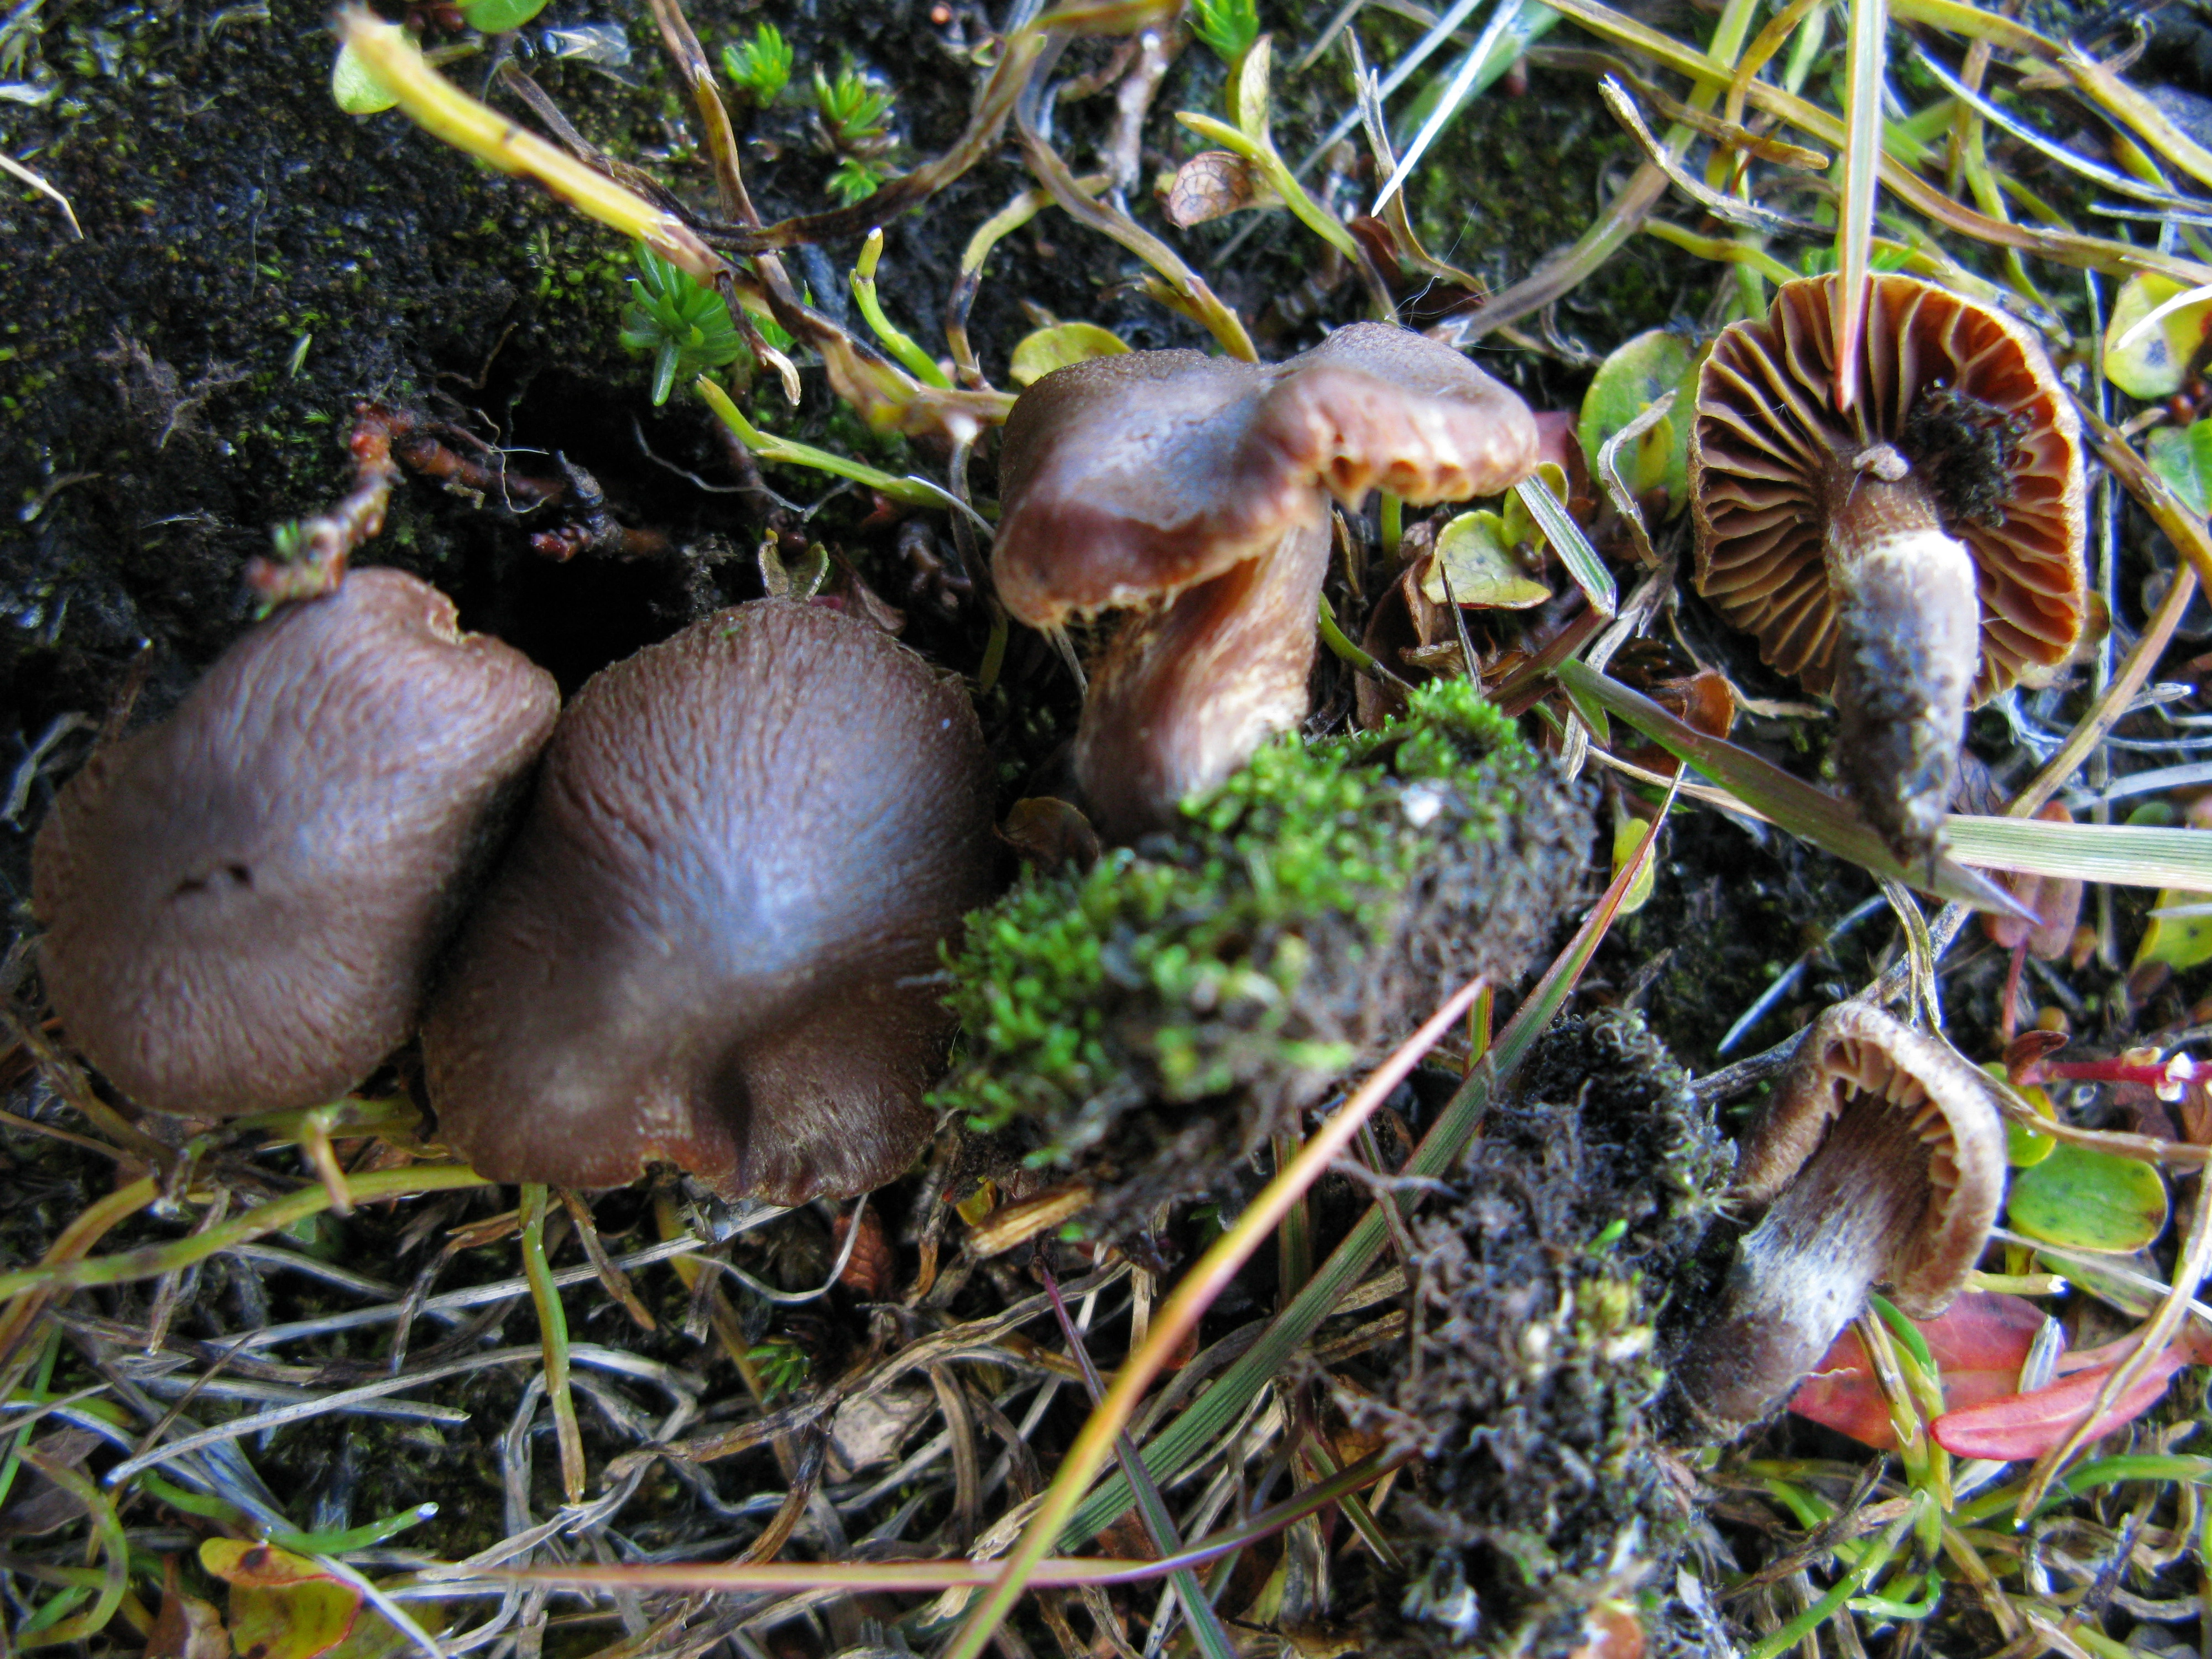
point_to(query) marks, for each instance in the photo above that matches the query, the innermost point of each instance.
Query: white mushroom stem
(1909, 626)
(1804, 1273)
(1188, 690)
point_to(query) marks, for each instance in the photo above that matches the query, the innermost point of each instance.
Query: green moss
(1151, 1019)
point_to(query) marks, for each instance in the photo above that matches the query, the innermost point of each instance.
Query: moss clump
(1544, 1505)
(1152, 1022)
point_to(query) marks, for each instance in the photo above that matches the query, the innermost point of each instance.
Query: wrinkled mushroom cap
(1854, 1049)
(242, 903)
(1966, 393)
(1129, 478)
(715, 943)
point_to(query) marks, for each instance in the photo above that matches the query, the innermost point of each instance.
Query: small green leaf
(1475, 552)
(2089, 1201)
(1637, 375)
(1057, 347)
(498, 16)
(355, 88)
(283, 1606)
(2183, 457)
(2025, 1147)
(2150, 360)
(1629, 834)
(2177, 941)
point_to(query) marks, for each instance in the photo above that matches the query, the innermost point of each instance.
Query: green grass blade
(1795, 806)
(1568, 541)
(2122, 855)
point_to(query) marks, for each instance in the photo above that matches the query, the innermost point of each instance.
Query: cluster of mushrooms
(696, 917)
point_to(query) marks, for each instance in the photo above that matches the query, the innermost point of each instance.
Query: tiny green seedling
(853, 180)
(853, 109)
(760, 67)
(1228, 27)
(683, 325)
(782, 1367)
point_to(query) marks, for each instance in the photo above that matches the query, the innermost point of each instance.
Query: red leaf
(2023, 1425)
(1980, 1342)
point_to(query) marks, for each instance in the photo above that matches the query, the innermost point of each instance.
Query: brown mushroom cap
(1881, 1161)
(715, 941)
(1966, 392)
(1196, 488)
(243, 903)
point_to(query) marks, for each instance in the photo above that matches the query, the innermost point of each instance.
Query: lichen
(1544, 1503)
(1146, 1024)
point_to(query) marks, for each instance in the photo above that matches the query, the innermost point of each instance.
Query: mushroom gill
(1910, 558)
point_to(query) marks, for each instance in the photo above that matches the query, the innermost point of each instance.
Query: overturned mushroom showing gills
(1880, 1161)
(242, 905)
(715, 943)
(1195, 490)
(1910, 558)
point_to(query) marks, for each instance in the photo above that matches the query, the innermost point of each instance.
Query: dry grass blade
(1180, 1316)
(1869, 29)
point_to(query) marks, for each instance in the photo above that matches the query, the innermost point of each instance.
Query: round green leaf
(2153, 361)
(355, 88)
(1056, 347)
(1636, 376)
(1473, 550)
(2183, 457)
(2089, 1201)
(498, 16)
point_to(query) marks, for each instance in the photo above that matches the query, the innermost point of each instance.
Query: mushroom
(1922, 552)
(242, 903)
(714, 942)
(1881, 1161)
(1196, 489)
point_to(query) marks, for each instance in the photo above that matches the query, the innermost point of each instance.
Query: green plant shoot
(852, 107)
(760, 67)
(1228, 27)
(678, 320)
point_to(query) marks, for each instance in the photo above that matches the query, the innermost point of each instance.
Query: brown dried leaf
(1211, 184)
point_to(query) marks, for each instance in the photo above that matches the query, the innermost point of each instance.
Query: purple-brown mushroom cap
(1195, 490)
(243, 904)
(715, 943)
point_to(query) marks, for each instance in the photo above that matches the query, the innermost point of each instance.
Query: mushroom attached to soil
(714, 942)
(1910, 558)
(242, 905)
(1196, 490)
(1880, 1161)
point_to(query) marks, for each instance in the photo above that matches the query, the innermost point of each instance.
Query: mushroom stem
(1909, 639)
(1804, 1273)
(1188, 690)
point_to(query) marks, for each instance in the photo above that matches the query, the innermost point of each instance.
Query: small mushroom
(714, 942)
(1196, 489)
(1881, 1161)
(242, 903)
(1921, 553)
